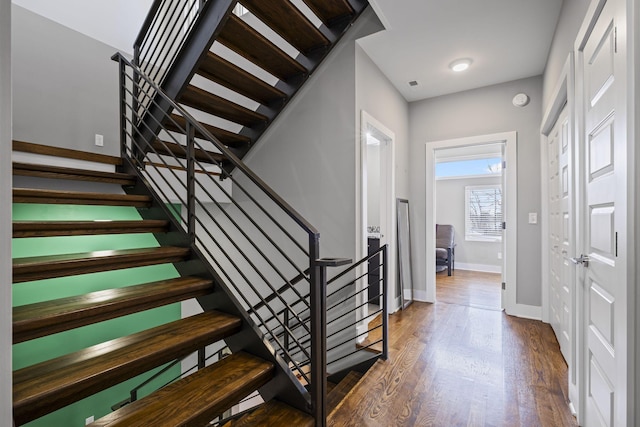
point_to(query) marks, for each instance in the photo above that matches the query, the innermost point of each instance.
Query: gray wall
(308, 155)
(65, 86)
(479, 112)
(5, 210)
(377, 96)
(571, 16)
(450, 200)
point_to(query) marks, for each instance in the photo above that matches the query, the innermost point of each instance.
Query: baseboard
(420, 295)
(485, 268)
(533, 312)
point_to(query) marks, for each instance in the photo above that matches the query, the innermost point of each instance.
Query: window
(468, 168)
(483, 213)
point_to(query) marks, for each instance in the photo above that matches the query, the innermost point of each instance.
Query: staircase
(205, 83)
(242, 64)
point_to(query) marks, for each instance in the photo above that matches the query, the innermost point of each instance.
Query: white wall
(5, 211)
(450, 201)
(114, 22)
(65, 86)
(571, 16)
(480, 112)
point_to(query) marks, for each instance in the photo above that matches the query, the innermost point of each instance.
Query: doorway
(507, 143)
(376, 219)
(469, 218)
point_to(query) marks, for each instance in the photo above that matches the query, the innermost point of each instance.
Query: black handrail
(224, 248)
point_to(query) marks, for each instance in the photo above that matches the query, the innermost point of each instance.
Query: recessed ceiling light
(460, 64)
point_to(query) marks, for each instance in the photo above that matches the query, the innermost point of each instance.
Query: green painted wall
(28, 353)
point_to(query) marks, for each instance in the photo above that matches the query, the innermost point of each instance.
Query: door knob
(582, 259)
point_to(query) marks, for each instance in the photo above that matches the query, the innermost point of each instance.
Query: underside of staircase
(245, 61)
(237, 71)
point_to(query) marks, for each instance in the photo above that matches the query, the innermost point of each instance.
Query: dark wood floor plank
(53, 316)
(240, 37)
(46, 267)
(56, 172)
(47, 150)
(80, 228)
(461, 364)
(218, 106)
(198, 398)
(229, 75)
(50, 385)
(28, 195)
(291, 24)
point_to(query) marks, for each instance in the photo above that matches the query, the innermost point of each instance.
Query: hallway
(455, 364)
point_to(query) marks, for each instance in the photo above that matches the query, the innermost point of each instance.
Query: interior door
(561, 282)
(602, 210)
(555, 225)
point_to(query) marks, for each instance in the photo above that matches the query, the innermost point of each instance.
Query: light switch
(99, 140)
(533, 217)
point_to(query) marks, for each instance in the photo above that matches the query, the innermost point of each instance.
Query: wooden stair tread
(226, 137)
(339, 392)
(28, 195)
(49, 266)
(79, 228)
(46, 171)
(330, 10)
(178, 150)
(273, 414)
(240, 37)
(215, 105)
(196, 399)
(373, 336)
(53, 384)
(47, 150)
(53, 316)
(229, 75)
(287, 20)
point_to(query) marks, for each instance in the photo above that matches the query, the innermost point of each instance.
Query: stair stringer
(284, 386)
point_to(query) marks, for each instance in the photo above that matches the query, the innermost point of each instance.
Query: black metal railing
(358, 301)
(163, 34)
(250, 236)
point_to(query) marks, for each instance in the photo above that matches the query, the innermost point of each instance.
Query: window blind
(483, 213)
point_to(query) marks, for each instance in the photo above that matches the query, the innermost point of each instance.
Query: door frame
(563, 93)
(509, 209)
(387, 152)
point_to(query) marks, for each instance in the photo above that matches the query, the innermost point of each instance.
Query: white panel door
(602, 211)
(561, 289)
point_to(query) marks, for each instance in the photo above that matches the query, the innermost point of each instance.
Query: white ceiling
(507, 40)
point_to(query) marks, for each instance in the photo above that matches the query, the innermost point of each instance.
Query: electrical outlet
(533, 217)
(89, 420)
(499, 255)
(99, 140)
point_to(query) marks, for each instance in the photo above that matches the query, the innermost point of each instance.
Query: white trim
(533, 312)
(510, 211)
(420, 295)
(388, 153)
(484, 268)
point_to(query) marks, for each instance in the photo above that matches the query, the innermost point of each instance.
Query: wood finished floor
(462, 364)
